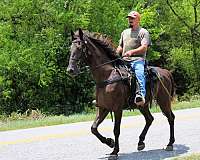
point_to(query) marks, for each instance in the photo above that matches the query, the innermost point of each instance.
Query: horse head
(93, 48)
(76, 51)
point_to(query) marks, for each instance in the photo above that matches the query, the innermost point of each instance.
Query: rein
(107, 63)
(103, 64)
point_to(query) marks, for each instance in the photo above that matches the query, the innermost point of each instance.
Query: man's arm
(119, 50)
(138, 51)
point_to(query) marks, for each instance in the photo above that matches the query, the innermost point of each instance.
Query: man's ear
(72, 34)
(80, 33)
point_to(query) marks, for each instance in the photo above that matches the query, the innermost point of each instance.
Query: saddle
(128, 77)
(151, 75)
(151, 72)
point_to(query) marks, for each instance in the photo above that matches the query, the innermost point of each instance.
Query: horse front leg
(118, 117)
(100, 116)
(149, 119)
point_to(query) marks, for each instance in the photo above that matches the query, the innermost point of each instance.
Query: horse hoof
(169, 148)
(114, 153)
(140, 147)
(113, 157)
(110, 142)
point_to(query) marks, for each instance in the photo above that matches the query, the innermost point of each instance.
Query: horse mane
(104, 41)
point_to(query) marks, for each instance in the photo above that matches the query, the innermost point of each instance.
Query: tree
(186, 12)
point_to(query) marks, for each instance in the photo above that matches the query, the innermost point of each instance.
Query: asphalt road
(75, 142)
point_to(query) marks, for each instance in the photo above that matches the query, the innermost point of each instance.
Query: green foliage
(34, 58)
(107, 17)
(183, 58)
(181, 26)
(35, 41)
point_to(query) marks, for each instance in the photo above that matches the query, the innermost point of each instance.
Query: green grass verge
(189, 157)
(56, 120)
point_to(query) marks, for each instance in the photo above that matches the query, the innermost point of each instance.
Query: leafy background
(35, 40)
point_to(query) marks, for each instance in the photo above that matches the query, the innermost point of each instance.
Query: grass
(37, 119)
(195, 156)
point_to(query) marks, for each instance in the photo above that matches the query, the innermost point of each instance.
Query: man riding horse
(112, 92)
(133, 46)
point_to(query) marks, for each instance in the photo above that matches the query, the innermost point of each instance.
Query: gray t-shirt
(133, 39)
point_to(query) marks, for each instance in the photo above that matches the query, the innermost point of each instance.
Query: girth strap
(110, 81)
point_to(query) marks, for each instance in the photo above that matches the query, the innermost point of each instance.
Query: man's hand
(138, 51)
(128, 54)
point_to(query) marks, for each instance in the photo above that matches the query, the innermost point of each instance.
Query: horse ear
(80, 33)
(72, 34)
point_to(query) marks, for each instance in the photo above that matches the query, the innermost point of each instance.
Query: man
(133, 46)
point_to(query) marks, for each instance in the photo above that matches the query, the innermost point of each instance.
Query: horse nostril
(70, 70)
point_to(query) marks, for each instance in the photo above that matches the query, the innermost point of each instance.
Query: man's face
(133, 21)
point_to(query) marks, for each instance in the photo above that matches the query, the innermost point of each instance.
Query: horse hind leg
(170, 117)
(100, 116)
(166, 109)
(149, 119)
(164, 96)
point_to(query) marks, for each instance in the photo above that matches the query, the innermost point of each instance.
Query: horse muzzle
(72, 70)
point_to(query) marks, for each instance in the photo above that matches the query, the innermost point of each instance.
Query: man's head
(133, 19)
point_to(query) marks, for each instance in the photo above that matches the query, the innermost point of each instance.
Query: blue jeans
(137, 67)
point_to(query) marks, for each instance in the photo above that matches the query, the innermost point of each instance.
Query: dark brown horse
(98, 52)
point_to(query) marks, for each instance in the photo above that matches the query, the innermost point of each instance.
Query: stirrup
(139, 100)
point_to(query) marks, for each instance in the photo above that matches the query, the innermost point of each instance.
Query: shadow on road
(158, 154)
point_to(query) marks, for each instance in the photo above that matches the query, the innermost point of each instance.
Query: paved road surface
(75, 142)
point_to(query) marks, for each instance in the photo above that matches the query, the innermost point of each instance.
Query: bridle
(85, 54)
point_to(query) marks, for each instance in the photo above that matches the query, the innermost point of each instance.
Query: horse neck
(98, 58)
